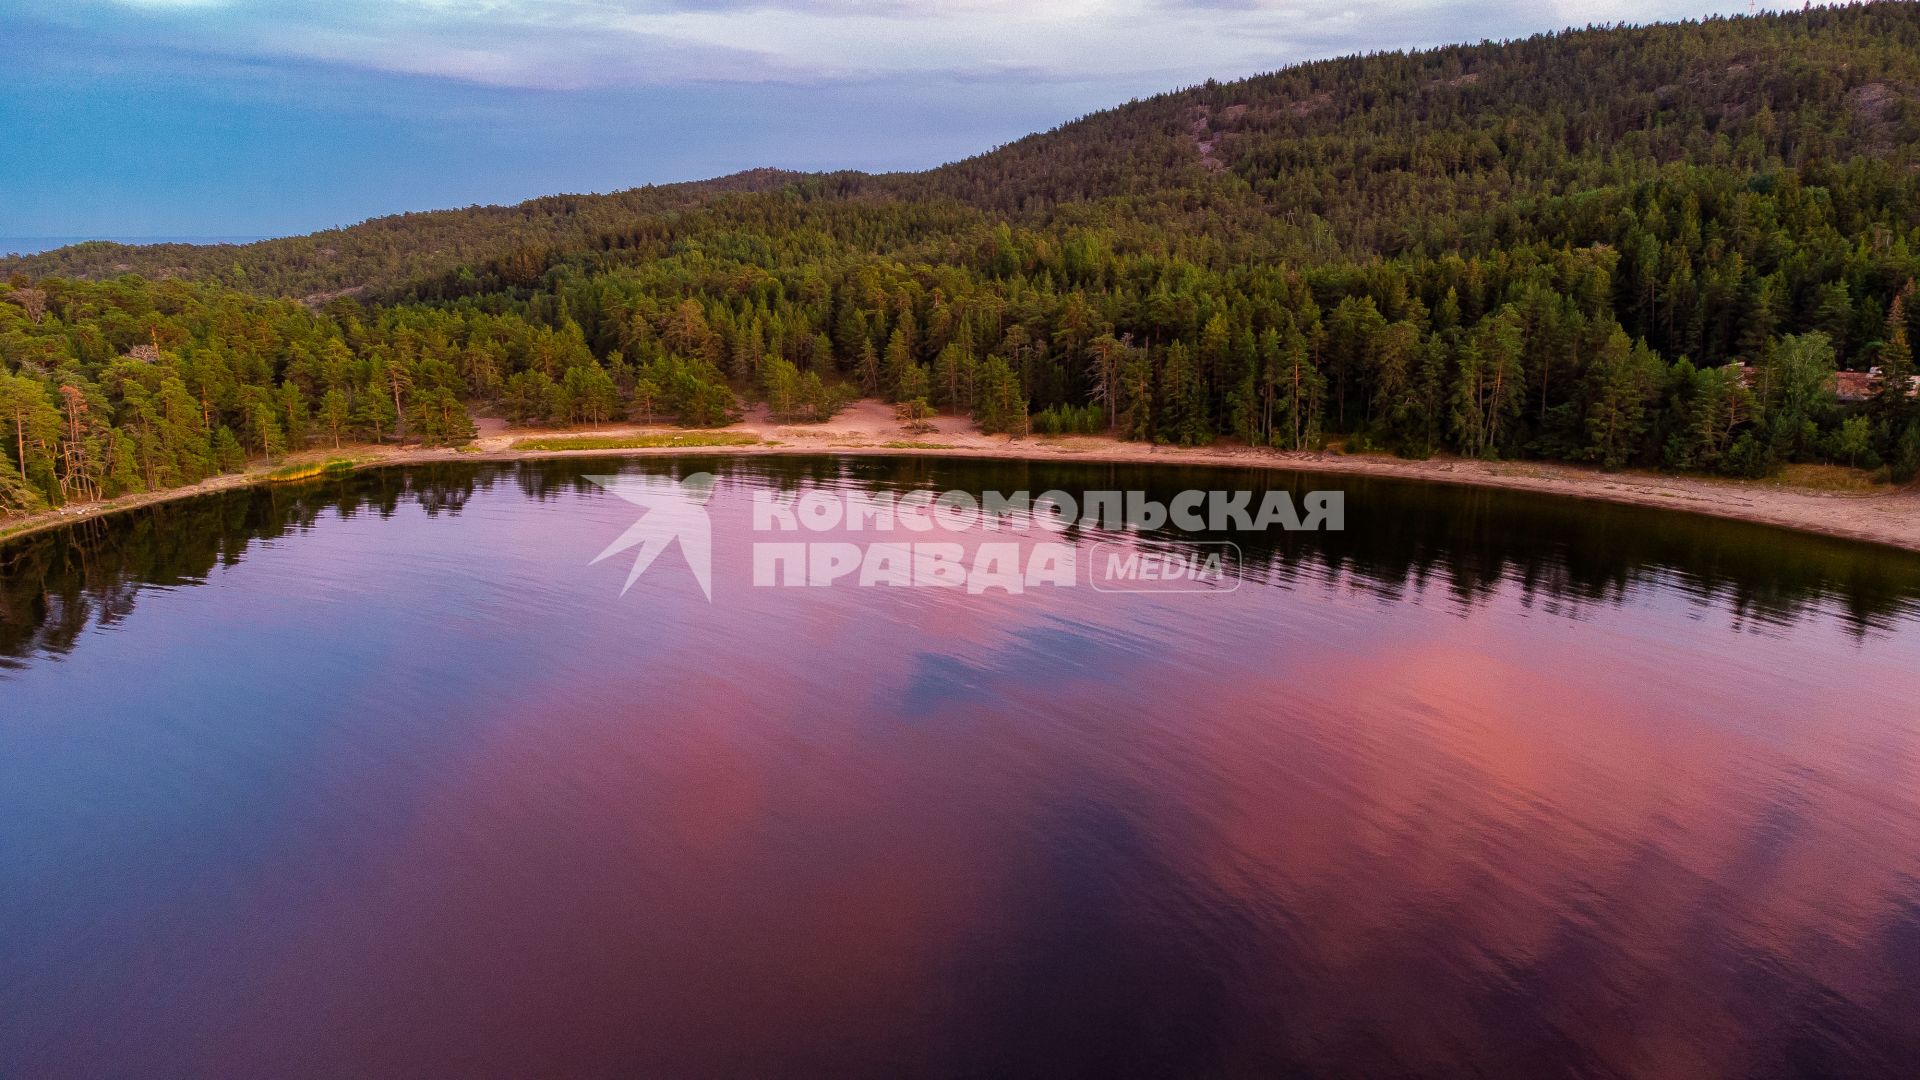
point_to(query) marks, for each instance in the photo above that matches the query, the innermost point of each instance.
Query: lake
(383, 775)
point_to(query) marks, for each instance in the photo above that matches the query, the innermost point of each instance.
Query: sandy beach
(1880, 514)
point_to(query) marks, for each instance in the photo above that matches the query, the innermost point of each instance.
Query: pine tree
(953, 378)
(1108, 355)
(869, 372)
(1498, 343)
(781, 382)
(589, 394)
(529, 397)
(1396, 350)
(749, 349)
(899, 358)
(1002, 406)
(645, 397)
(82, 461)
(32, 424)
(1182, 403)
(183, 437)
(264, 423)
(17, 496)
(1303, 392)
(1136, 395)
(294, 416)
(1764, 306)
(123, 466)
(1351, 333)
(336, 412)
(374, 411)
(228, 456)
(1802, 367)
(1619, 386)
(1892, 402)
(439, 419)
(1833, 313)
(914, 383)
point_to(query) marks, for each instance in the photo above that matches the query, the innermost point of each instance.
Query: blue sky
(267, 117)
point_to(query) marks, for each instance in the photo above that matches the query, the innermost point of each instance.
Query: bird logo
(675, 510)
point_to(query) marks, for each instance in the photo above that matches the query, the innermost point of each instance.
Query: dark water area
(383, 776)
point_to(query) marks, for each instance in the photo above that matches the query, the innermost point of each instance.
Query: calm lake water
(379, 777)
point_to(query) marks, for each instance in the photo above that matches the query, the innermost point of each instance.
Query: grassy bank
(287, 474)
(636, 442)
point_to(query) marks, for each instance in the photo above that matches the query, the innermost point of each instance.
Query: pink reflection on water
(860, 831)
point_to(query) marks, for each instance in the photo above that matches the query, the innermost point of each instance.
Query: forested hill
(382, 252)
(1395, 153)
(1658, 247)
(1450, 150)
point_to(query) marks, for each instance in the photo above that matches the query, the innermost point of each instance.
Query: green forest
(1631, 247)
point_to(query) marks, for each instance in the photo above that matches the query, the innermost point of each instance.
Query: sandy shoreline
(1884, 516)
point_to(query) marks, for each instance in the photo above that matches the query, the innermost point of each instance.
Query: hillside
(1644, 247)
(385, 251)
(1431, 152)
(1417, 152)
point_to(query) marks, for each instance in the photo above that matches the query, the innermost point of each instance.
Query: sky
(132, 118)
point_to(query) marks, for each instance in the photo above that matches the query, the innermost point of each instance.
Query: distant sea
(29, 245)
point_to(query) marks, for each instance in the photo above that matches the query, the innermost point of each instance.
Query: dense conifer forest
(1636, 247)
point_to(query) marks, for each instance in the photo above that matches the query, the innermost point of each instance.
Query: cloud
(273, 116)
(580, 44)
